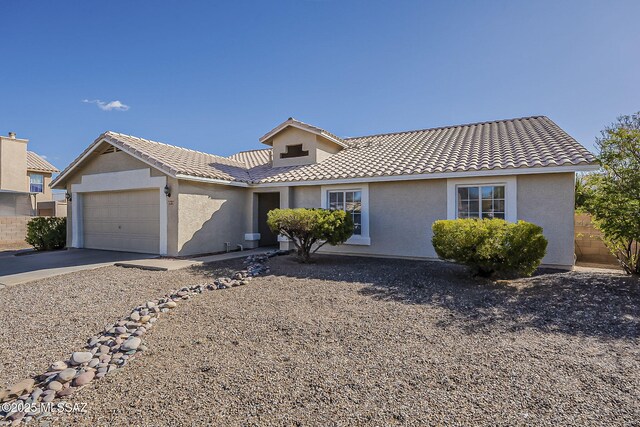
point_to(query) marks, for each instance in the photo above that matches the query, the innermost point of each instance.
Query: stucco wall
(547, 200)
(325, 149)
(16, 204)
(111, 162)
(401, 215)
(307, 196)
(13, 163)
(210, 215)
(318, 147)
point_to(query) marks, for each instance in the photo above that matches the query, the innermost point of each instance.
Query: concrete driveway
(25, 268)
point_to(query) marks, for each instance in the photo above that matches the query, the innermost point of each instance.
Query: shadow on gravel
(586, 304)
(219, 268)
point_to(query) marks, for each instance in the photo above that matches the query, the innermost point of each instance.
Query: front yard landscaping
(343, 341)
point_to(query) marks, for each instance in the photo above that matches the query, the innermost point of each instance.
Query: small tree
(613, 195)
(47, 233)
(310, 229)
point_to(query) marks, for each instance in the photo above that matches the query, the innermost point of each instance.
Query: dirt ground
(347, 341)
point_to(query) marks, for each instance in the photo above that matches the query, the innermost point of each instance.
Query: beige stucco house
(24, 180)
(132, 194)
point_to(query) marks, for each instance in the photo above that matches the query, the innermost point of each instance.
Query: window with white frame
(36, 183)
(349, 201)
(480, 201)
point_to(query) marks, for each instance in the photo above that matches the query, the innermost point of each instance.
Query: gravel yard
(43, 321)
(345, 341)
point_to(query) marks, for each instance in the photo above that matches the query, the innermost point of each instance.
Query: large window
(349, 201)
(485, 201)
(36, 183)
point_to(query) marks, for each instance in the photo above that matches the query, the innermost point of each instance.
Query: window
(485, 201)
(294, 151)
(349, 201)
(36, 183)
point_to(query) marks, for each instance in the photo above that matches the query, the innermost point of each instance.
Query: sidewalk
(167, 264)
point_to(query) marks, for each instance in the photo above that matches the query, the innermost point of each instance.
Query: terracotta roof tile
(506, 144)
(529, 142)
(38, 164)
(253, 158)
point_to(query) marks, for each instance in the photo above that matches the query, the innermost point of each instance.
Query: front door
(267, 202)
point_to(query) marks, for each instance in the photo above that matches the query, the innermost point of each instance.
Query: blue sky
(215, 76)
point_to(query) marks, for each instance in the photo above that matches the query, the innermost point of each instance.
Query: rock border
(112, 349)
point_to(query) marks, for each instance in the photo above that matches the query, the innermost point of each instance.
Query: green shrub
(47, 233)
(310, 229)
(491, 247)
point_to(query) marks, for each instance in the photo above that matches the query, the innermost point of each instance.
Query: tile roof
(38, 164)
(253, 158)
(529, 142)
(170, 159)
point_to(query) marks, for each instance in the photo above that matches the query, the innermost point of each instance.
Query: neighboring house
(133, 194)
(24, 180)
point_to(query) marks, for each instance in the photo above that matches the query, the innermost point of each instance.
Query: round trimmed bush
(491, 247)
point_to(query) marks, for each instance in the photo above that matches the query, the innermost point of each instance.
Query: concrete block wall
(589, 245)
(13, 229)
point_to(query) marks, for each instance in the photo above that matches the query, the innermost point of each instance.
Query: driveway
(15, 269)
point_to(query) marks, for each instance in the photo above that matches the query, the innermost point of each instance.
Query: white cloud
(108, 106)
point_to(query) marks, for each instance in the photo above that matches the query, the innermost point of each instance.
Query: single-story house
(133, 194)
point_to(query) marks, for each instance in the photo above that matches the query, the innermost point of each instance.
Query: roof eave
(212, 180)
(581, 167)
(42, 170)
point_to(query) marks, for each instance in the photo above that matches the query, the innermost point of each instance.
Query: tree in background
(310, 229)
(612, 197)
(581, 192)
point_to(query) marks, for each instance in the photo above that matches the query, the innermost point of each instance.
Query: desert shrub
(310, 229)
(490, 247)
(47, 233)
(613, 194)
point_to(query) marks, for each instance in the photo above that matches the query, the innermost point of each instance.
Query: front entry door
(267, 202)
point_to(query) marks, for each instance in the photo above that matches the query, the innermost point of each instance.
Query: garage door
(122, 220)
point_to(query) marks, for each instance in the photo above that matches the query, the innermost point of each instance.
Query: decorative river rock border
(109, 350)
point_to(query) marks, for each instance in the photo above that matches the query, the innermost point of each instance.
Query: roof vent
(111, 149)
(12, 135)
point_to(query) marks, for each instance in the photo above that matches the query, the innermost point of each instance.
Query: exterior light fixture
(167, 191)
(67, 196)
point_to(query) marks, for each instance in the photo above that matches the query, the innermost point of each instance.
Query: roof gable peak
(291, 122)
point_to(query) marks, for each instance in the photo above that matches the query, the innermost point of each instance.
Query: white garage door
(122, 220)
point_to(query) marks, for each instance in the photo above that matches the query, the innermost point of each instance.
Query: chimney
(12, 135)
